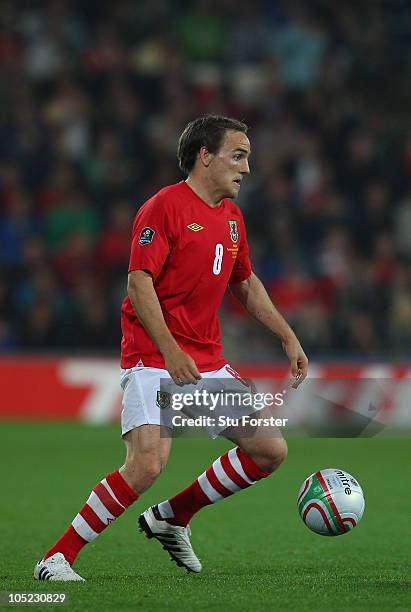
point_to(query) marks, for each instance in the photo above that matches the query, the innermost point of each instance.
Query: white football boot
(175, 539)
(55, 568)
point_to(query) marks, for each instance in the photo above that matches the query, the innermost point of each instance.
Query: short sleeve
(242, 265)
(151, 238)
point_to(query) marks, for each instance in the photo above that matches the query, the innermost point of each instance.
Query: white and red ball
(331, 502)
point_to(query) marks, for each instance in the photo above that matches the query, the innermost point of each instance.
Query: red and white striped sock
(108, 500)
(230, 473)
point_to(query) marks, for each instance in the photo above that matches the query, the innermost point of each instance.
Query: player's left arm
(252, 294)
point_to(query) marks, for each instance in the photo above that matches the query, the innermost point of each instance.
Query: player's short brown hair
(205, 131)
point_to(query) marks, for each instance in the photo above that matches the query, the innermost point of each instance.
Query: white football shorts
(147, 392)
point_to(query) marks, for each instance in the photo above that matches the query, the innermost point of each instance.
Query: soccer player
(188, 244)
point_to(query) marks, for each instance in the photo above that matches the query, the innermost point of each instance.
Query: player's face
(230, 164)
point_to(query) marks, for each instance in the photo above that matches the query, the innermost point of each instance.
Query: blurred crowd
(94, 96)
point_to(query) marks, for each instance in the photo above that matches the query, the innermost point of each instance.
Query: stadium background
(94, 96)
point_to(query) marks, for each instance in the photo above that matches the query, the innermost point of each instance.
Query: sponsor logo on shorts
(146, 236)
(163, 399)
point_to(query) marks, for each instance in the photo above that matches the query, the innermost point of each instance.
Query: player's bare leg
(265, 445)
(147, 454)
(148, 448)
(259, 452)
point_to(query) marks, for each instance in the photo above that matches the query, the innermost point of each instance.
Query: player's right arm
(143, 296)
(152, 241)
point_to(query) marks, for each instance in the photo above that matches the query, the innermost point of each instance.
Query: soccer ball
(331, 502)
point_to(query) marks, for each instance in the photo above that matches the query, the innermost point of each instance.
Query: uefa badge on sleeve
(146, 236)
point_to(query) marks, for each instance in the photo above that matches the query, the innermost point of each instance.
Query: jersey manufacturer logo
(232, 224)
(163, 399)
(146, 236)
(195, 227)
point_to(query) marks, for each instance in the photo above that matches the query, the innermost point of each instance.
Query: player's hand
(298, 360)
(182, 368)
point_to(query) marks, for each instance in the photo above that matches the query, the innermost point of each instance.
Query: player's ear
(205, 156)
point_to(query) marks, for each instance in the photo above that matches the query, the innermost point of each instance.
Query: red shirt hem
(151, 362)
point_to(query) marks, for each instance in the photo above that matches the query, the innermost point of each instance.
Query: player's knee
(150, 473)
(143, 480)
(140, 475)
(281, 451)
(273, 455)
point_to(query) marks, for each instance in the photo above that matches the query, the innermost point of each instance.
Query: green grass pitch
(256, 552)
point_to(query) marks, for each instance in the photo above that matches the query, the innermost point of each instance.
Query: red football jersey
(193, 252)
